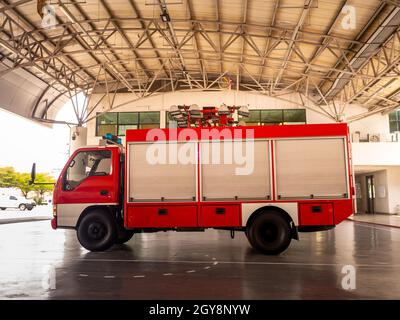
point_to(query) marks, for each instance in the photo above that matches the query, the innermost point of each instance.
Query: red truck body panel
(203, 214)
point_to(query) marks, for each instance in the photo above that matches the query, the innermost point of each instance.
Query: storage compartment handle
(316, 209)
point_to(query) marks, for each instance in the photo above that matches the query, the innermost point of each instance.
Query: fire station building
(203, 150)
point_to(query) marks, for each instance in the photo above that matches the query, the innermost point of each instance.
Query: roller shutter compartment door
(224, 178)
(165, 180)
(311, 168)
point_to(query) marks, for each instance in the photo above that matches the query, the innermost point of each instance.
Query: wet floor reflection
(205, 265)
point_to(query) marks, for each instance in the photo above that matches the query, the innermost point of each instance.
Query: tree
(43, 188)
(8, 177)
(22, 183)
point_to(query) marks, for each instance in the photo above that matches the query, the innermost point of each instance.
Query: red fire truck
(295, 178)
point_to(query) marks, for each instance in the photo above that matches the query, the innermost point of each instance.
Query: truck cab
(89, 183)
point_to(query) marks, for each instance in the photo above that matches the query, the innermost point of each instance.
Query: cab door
(91, 176)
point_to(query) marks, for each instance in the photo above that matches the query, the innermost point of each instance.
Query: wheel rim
(96, 230)
(22, 207)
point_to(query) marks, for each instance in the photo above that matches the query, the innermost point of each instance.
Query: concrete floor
(205, 265)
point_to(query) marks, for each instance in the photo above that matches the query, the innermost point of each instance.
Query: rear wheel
(22, 207)
(3, 208)
(269, 233)
(97, 231)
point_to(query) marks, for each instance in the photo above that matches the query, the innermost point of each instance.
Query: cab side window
(87, 164)
(13, 198)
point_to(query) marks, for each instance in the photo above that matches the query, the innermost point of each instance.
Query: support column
(78, 138)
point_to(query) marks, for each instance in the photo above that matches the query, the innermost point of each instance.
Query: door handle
(220, 210)
(104, 192)
(162, 212)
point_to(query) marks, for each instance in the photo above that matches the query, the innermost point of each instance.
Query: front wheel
(97, 231)
(269, 233)
(22, 207)
(3, 208)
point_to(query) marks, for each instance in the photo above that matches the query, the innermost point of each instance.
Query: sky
(23, 142)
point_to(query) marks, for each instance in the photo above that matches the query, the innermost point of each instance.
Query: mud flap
(294, 232)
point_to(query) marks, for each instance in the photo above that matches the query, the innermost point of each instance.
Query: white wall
(393, 177)
(376, 153)
(78, 138)
(163, 101)
(374, 124)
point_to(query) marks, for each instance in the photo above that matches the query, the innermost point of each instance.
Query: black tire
(30, 208)
(97, 231)
(3, 208)
(22, 207)
(246, 232)
(124, 235)
(269, 233)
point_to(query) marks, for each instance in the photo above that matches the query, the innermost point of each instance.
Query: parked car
(11, 201)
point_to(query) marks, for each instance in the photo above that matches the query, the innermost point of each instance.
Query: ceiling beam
(356, 42)
(149, 36)
(201, 61)
(122, 34)
(12, 8)
(173, 41)
(6, 7)
(268, 40)
(110, 68)
(289, 51)
(324, 42)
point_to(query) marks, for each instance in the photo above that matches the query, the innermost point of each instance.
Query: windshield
(86, 164)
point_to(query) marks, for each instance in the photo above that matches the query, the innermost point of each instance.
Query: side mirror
(33, 174)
